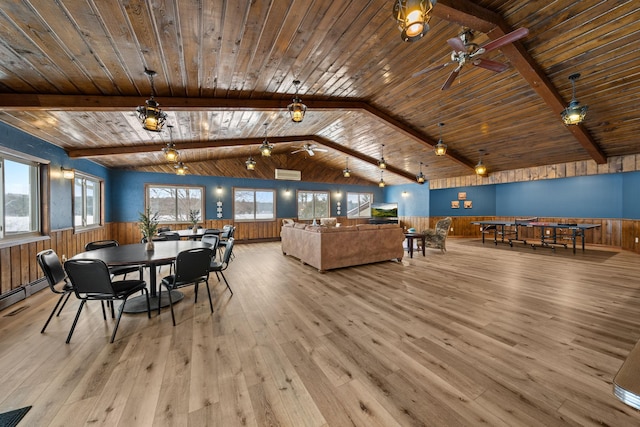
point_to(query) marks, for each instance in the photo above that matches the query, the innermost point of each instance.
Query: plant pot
(194, 230)
(149, 246)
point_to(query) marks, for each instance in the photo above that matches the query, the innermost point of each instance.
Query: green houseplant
(148, 223)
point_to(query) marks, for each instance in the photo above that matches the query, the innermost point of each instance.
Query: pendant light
(150, 114)
(381, 184)
(250, 163)
(170, 152)
(413, 18)
(420, 177)
(480, 168)
(297, 108)
(382, 164)
(265, 148)
(441, 148)
(181, 168)
(574, 113)
(346, 172)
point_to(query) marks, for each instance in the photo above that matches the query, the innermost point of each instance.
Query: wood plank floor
(482, 335)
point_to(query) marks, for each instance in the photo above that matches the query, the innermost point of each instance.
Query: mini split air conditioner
(289, 175)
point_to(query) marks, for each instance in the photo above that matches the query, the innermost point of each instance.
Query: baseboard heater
(16, 295)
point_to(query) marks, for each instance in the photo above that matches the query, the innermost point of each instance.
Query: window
(87, 201)
(253, 205)
(313, 204)
(20, 207)
(173, 203)
(359, 205)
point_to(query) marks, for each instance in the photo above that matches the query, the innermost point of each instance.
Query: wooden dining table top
(136, 254)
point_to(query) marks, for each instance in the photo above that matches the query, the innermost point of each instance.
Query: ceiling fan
(464, 50)
(309, 148)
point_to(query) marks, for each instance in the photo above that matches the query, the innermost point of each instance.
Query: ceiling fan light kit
(310, 149)
(413, 18)
(574, 113)
(297, 109)
(150, 114)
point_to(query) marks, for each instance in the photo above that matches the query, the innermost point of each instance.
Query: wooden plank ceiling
(72, 73)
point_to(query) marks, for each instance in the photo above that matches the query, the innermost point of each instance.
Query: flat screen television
(384, 210)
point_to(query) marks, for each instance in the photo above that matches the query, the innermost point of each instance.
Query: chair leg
(227, 283)
(159, 299)
(146, 294)
(104, 313)
(52, 313)
(120, 310)
(195, 301)
(64, 303)
(112, 312)
(173, 316)
(209, 293)
(73, 327)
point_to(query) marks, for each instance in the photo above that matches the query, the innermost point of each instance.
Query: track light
(346, 172)
(297, 108)
(441, 148)
(150, 114)
(170, 152)
(574, 113)
(413, 18)
(382, 164)
(420, 177)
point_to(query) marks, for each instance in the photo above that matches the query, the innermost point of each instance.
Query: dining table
(164, 252)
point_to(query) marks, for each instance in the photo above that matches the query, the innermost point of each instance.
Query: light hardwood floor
(477, 336)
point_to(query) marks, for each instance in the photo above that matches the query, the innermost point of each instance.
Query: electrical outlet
(548, 232)
(451, 228)
(636, 240)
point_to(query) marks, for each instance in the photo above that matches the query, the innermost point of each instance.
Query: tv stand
(383, 220)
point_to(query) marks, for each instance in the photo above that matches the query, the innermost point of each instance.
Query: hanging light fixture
(181, 168)
(170, 152)
(441, 148)
(413, 18)
(420, 177)
(381, 183)
(574, 113)
(480, 168)
(297, 108)
(150, 114)
(346, 172)
(265, 148)
(251, 164)
(382, 164)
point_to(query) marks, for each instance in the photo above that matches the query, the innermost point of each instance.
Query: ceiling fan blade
(457, 44)
(428, 70)
(311, 153)
(297, 151)
(450, 79)
(490, 65)
(507, 38)
(322, 150)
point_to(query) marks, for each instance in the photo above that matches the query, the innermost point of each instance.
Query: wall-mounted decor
(219, 209)
(455, 204)
(337, 208)
(462, 195)
(468, 204)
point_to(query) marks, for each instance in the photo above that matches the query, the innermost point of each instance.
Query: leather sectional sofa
(327, 248)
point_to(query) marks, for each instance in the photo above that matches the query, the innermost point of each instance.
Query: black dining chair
(223, 264)
(115, 270)
(191, 268)
(213, 240)
(91, 280)
(228, 232)
(170, 235)
(56, 278)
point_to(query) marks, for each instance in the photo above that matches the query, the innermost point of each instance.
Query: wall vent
(289, 175)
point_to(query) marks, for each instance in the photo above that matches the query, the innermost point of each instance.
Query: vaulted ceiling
(72, 73)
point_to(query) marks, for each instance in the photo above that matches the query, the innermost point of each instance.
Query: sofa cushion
(367, 226)
(329, 222)
(299, 225)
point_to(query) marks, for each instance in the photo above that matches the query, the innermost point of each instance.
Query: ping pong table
(549, 232)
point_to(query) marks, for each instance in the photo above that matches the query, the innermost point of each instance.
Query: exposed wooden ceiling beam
(469, 14)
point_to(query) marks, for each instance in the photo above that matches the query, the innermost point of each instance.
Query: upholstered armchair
(437, 237)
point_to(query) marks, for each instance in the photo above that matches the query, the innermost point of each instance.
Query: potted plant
(194, 216)
(148, 223)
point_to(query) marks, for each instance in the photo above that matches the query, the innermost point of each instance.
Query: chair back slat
(89, 276)
(100, 244)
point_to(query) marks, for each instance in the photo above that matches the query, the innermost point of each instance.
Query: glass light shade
(382, 164)
(346, 172)
(68, 173)
(265, 149)
(381, 183)
(297, 110)
(421, 178)
(440, 148)
(574, 113)
(181, 169)
(481, 169)
(251, 164)
(412, 17)
(170, 153)
(151, 116)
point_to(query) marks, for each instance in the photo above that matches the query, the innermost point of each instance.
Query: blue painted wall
(128, 201)
(482, 198)
(631, 195)
(61, 189)
(412, 199)
(596, 196)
